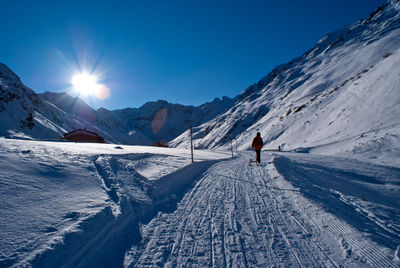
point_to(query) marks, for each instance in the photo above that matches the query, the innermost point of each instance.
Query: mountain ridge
(324, 100)
(47, 116)
(334, 94)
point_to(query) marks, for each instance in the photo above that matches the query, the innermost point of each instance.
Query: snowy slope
(18, 108)
(340, 97)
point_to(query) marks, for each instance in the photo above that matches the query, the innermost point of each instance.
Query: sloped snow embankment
(80, 205)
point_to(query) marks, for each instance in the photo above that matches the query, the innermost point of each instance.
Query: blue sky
(186, 52)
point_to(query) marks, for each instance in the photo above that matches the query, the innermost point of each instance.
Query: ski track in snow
(250, 216)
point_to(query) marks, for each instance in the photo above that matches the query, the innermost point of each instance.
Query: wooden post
(191, 141)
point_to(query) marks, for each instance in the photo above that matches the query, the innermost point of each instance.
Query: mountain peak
(7, 75)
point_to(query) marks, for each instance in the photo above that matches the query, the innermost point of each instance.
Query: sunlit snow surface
(95, 205)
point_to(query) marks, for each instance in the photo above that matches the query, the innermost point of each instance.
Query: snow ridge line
(394, 230)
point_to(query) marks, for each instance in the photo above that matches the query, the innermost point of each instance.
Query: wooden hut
(83, 135)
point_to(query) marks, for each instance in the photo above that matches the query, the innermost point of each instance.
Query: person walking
(257, 146)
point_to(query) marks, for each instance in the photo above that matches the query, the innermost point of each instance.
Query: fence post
(191, 141)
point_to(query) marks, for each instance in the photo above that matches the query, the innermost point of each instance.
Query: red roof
(83, 135)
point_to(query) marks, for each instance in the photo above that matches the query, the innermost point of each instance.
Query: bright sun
(85, 84)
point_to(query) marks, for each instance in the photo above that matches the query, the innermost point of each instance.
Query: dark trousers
(258, 153)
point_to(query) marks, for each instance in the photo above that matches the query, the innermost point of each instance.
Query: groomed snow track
(250, 216)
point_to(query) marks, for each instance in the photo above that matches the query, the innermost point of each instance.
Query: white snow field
(104, 205)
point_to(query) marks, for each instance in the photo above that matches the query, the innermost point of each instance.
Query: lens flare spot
(159, 120)
(102, 92)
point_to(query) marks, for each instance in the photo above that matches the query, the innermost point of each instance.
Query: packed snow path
(250, 216)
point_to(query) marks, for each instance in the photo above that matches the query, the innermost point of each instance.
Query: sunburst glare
(86, 84)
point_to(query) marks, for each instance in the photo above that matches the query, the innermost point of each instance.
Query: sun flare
(85, 84)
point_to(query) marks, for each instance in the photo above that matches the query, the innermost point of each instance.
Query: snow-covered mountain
(340, 96)
(173, 119)
(18, 109)
(24, 114)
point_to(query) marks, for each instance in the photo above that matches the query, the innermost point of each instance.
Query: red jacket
(257, 143)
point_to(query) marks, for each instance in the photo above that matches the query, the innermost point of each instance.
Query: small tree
(29, 121)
